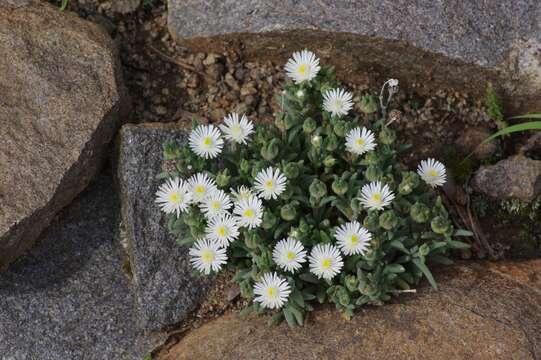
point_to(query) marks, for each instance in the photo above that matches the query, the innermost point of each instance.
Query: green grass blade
(64, 5)
(528, 116)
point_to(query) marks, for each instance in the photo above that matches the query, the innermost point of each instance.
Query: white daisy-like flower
(249, 212)
(223, 230)
(337, 101)
(207, 256)
(241, 193)
(270, 183)
(432, 172)
(201, 186)
(271, 291)
(325, 261)
(289, 254)
(216, 204)
(206, 141)
(237, 130)
(376, 196)
(303, 66)
(174, 196)
(360, 141)
(352, 238)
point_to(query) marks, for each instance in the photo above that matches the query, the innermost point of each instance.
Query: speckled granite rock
(165, 286)
(461, 44)
(485, 312)
(515, 177)
(67, 298)
(60, 99)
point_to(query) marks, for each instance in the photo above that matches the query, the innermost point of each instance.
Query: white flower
(325, 261)
(223, 230)
(271, 291)
(207, 256)
(393, 82)
(289, 254)
(206, 141)
(237, 130)
(174, 196)
(352, 238)
(359, 141)
(241, 193)
(300, 93)
(216, 204)
(432, 172)
(201, 186)
(376, 196)
(304, 66)
(249, 212)
(270, 183)
(337, 102)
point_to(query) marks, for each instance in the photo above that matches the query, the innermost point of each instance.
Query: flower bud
(371, 221)
(387, 136)
(171, 152)
(440, 225)
(388, 220)
(419, 212)
(271, 149)
(424, 250)
(309, 125)
(269, 220)
(368, 104)
(246, 290)
(288, 212)
(373, 173)
(316, 141)
(351, 282)
(329, 161)
(343, 296)
(371, 158)
(339, 186)
(287, 194)
(291, 170)
(410, 181)
(325, 224)
(332, 142)
(251, 240)
(223, 178)
(244, 166)
(304, 227)
(318, 189)
(340, 128)
(294, 233)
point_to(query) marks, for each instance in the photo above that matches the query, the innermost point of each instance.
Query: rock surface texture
(61, 95)
(166, 288)
(481, 312)
(515, 177)
(439, 44)
(68, 298)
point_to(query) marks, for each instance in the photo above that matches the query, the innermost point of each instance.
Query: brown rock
(61, 94)
(515, 177)
(471, 139)
(479, 313)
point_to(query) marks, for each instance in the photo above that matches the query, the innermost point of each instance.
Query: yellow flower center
(249, 213)
(200, 189)
(207, 141)
(222, 231)
(433, 173)
(303, 69)
(236, 130)
(272, 292)
(354, 239)
(290, 255)
(215, 205)
(376, 197)
(207, 256)
(269, 184)
(175, 197)
(360, 142)
(338, 104)
(326, 263)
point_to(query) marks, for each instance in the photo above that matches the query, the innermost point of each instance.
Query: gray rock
(456, 44)
(471, 140)
(165, 286)
(61, 96)
(67, 298)
(125, 6)
(515, 177)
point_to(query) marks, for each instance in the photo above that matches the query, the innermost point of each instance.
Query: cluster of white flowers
(227, 213)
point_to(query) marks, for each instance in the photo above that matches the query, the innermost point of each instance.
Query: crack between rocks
(530, 348)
